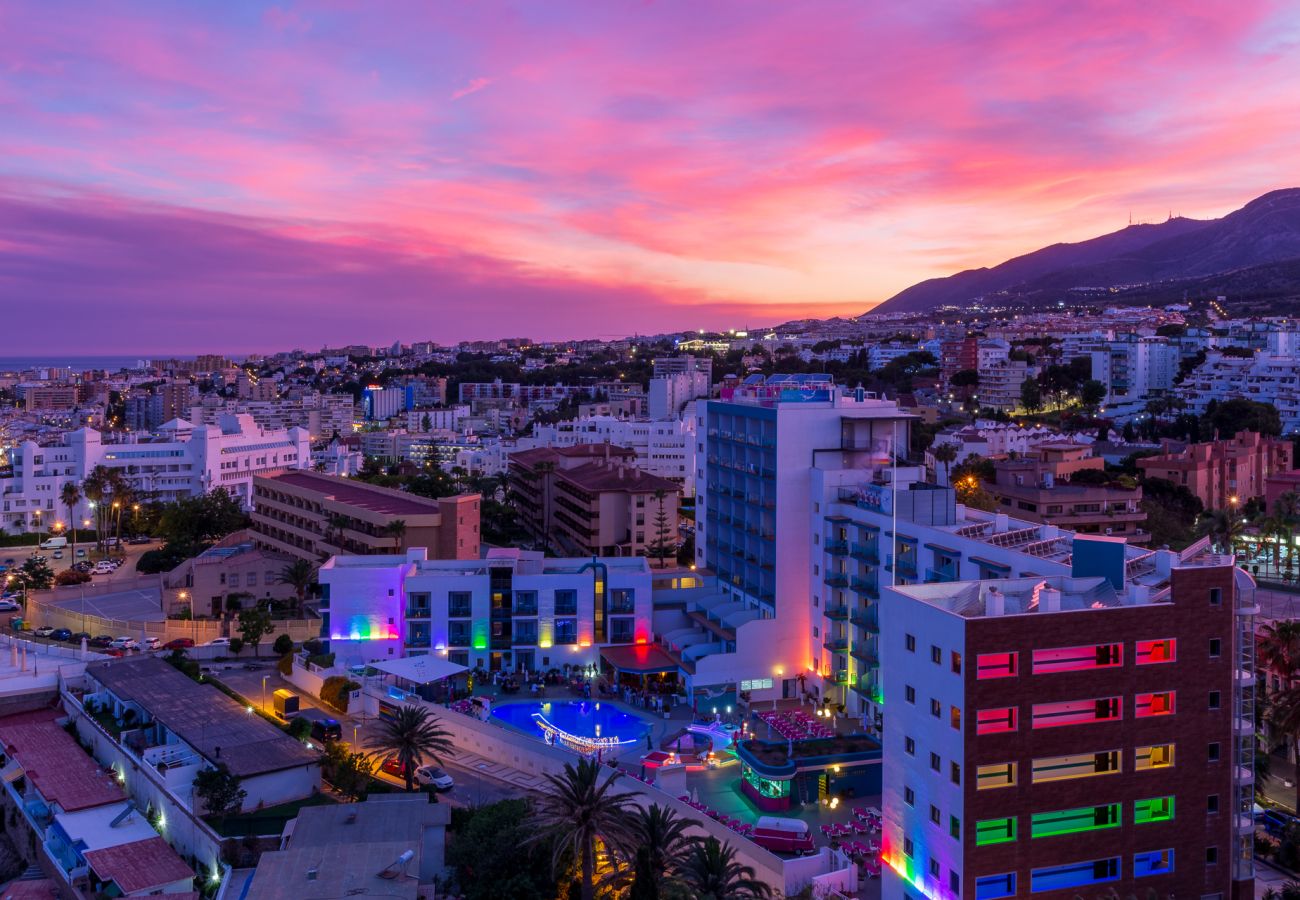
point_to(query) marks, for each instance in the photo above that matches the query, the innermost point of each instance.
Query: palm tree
(659, 849)
(1279, 647)
(95, 487)
(1284, 716)
(545, 470)
(1287, 506)
(1222, 526)
(578, 810)
(70, 496)
(712, 871)
(412, 736)
(334, 530)
(300, 575)
(945, 453)
(396, 530)
(1278, 531)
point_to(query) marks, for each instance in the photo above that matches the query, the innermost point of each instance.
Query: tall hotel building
(1062, 736)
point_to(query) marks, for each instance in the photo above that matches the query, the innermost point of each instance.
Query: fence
(201, 631)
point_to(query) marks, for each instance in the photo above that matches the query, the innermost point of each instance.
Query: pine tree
(662, 545)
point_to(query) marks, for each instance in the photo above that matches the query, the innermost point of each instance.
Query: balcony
(836, 644)
(459, 612)
(867, 618)
(621, 608)
(526, 609)
(865, 654)
(839, 676)
(837, 548)
(868, 687)
(906, 567)
(940, 576)
(417, 612)
(837, 613)
(836, 579)
(866, 553)
(866, 587)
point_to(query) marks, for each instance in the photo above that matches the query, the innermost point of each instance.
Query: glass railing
(866, 586)
(866, 553)
(837, 612)
(866, 618)
(837, 548)
(837, 579)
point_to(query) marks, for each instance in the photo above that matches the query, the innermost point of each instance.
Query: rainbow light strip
(578, 743)
(903, 870)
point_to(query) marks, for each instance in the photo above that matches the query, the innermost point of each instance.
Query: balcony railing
(838, 613)
(418, 612)
(865, 654)
(839, 676)
(836, 579)
(866, 553)
(866, 618)
(836, 644)
(940, 576)
(459, 612)
(866, 587)
(837, 548)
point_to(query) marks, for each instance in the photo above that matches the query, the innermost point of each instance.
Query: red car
(391, 766)
(179, 644)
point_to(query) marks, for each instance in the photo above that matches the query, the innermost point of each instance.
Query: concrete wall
(200, 632)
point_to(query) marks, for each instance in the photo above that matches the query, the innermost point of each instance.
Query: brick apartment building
(313, 516)
(1219, 471)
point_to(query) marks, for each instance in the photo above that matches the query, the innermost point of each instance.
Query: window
(996, 775)
(910, 642)
(1074, 821)
(910, 693)
(1077, 659)
(1212, 804)
(934, 868)
(935, 762)
(954, 828)
(1216, 596)
(458, 604)
(1078, 765)
(1076, 712)
(1157, 809)
(1158, 704)
(996, 665)
(994, 887)
(1215, 648)
(995, 721)
(934, 814)
(566, 603)
(1153, 862)
(1157, 756)
(995, 831)
(936, 708)
(954, 775)
(1212, 752)
(954, 882)
(1073, 875)
(909, 746)
(955, 662)
(1152, 652)
(909, 796)
(936, 655)
(1211, 853)
(907, 847)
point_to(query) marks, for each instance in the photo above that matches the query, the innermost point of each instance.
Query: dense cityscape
(834, 450)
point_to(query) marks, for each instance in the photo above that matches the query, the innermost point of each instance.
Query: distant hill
(1137, 259)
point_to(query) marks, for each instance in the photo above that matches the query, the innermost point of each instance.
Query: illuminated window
(1152, 652)
(995, 831)
(1077, 659)
(1073, 875)
(1074, 821)
(954, 717)
(1077, 765)
(1161, 704)
(995, 721)
(1076, 712)
(1157, 809)
(995, 887)
(1153, 862)
(1158, 756)
(997, 775)
(996, 665)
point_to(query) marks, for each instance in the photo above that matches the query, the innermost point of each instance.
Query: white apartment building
(677, 381)
(1267, 377)
(513, 611)
(322, 415)
(665, 448)
(1135, 367)
(1000, 384)
(448, 418)
(181, 461)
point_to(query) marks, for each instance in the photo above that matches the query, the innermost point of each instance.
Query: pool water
(588, 719)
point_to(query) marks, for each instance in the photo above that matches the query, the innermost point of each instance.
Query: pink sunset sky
(241, 176)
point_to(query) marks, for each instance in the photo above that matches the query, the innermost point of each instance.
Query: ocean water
(78, 363)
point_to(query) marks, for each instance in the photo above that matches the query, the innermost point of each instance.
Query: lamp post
(264, 677)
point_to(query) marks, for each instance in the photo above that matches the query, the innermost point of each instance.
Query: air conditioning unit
(1108, 529)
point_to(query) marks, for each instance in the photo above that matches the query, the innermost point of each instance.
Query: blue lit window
(991, 887)
(1058, 878)
(1154, 862)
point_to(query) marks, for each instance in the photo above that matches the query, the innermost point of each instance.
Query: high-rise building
(383, 403)
(1064, 735)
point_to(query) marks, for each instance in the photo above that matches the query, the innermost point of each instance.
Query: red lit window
(995, 721)
(996, 665)
(1152, 652)
(1076, 712)
(1078, 659)
(1161, 704)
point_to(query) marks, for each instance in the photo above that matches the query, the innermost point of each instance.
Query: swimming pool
(588, 719)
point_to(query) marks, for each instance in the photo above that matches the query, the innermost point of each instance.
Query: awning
(639, 659)
(942, 549)
(419, 669)
(990, 564)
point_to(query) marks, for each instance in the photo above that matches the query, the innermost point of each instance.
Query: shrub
(312, 647)
(236, 645)
(283, 644)
(285, 665)
(299, 729)
(334, 692)
(69, 576)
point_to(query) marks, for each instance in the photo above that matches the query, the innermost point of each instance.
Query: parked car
(140, 540)
(58, 554)
(43, 631)
(78, 636)
(151, 643)
(54, 543)
(324, 728)
(391, 766)
(81, 552)
(7, 605)
(61, 634)
(125, 643)
(218, 642)
(432, 776)
(179, 644)
(101, 641)
(1276, 822)
(102, 568)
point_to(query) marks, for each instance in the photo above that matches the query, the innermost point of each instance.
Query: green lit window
(1157, 809)
(995, 831)
(766, 786)
(1073, 821)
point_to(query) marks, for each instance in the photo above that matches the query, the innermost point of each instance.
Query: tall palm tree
(1284, 717)
(396, 530)
(660, 846)
(1222, 526)
(1279, 647)
(70, 496)
(412, 736)
(1287, 506)
(580, 809)
(712, 872)
(300, 575)
(1277, 531)
(946, 453)
(334, 526)
(546, 471)
(95, 488)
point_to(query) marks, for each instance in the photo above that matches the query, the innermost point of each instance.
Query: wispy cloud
(475, 85)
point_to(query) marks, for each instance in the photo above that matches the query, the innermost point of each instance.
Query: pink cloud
(475, 85)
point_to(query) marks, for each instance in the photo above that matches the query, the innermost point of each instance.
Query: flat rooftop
(328, 873)
(55, 763)
(359, 494)
(203, 717)
(1018, 596)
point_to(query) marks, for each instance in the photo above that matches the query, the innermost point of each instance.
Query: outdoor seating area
(741, 828)
(866, 821)
(795, 724)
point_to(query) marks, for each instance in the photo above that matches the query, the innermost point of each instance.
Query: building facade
(1223, 473)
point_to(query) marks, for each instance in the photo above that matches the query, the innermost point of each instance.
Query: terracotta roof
(55, 763)
(139, 866)
(359, 494)
(603, 476)
(578, 451)
(31, 889)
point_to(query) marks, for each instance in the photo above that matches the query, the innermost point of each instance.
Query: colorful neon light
(901, 872)
(585, 746)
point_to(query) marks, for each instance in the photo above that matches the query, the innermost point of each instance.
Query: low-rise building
(1222, 473)
(313, 516)
(234, 566)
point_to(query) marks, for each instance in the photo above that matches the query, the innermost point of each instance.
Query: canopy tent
(638, 659)
(419, 669)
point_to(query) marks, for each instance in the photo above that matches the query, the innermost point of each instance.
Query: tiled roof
(139, 866)
(359, 494)
(55, 763)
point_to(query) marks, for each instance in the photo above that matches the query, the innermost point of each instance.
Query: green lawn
(270, 820)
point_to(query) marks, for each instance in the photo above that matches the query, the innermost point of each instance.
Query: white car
(125, 643)
(7, 605)
(43, 631)
(102, 568)
(218, 642)
(151, 643)
(435, 777)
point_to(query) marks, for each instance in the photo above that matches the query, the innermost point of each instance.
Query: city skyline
(262, 177)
